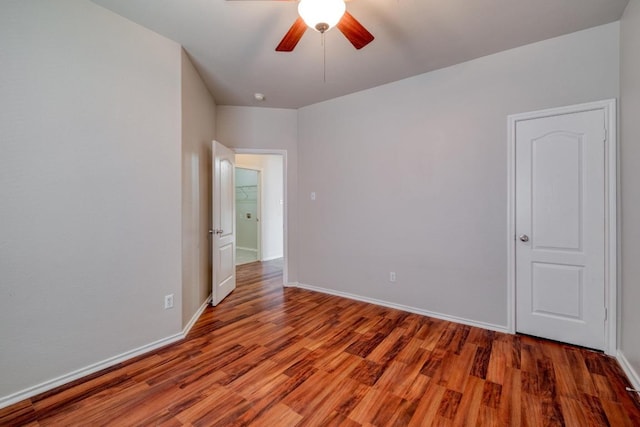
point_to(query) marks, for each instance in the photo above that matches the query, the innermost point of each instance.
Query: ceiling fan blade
(354, 31)
(293, 36)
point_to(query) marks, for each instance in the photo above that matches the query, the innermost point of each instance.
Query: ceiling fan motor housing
(322, 27)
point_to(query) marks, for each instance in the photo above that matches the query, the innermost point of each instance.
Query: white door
(560, 227)
(224, 222)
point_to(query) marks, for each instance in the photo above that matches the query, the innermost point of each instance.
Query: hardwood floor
(269, 356)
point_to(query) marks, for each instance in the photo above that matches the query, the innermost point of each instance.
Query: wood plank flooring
(269, 356)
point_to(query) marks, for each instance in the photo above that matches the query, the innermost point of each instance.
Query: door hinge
(606, 313)
(605, 134)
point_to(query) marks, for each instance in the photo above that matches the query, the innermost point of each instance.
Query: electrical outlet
(392, 276)
(168, 301)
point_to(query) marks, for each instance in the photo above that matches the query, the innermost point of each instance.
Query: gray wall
(198, 130)
(89, 188)
(630, 178)
(411, 177)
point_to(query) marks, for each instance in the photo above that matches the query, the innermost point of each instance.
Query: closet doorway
(259, 187)
(247, 215)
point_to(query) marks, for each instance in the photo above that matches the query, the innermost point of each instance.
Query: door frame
(258, 209)
(611, 236)
(285, 198)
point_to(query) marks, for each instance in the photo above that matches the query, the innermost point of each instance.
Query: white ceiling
(232, 43)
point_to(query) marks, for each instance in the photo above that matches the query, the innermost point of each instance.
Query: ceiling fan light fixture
(321, 15)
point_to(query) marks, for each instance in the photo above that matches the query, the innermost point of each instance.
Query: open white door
(223, 235)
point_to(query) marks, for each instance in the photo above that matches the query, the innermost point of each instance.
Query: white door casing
(562, 224)
(224, 222)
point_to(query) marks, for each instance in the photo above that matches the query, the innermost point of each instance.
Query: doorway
(562, 224)
(270, 194)
(248, 215)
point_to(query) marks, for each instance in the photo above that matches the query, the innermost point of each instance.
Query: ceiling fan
(322, 15)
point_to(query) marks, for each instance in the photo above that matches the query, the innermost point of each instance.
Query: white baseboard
(107, 363)
(409, 309)
(87, 370)
(633, 376)
(195, 317)
(246, 249)
(271, 258)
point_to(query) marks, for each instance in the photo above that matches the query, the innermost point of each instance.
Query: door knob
(524, 238)
(216, 231)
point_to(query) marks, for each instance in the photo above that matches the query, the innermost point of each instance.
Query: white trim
(611, 176)
(632, 375)
(104, 364)
(402, 307)
(285, 214)
(196, 316)
(271, 258)
(611, 233)
(87, 370)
